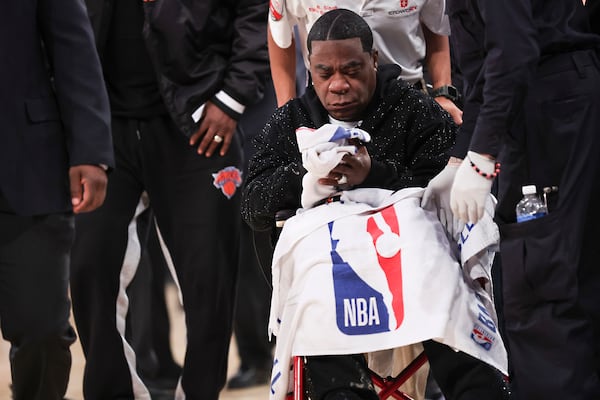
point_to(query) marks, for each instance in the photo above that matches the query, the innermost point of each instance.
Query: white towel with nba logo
(373, 272)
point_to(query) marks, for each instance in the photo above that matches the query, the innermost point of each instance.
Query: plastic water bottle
(530, 207)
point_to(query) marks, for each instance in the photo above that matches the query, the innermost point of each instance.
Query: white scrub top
(396, 26)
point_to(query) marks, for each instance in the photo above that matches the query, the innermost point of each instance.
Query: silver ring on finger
(217, 139)
(343, 180)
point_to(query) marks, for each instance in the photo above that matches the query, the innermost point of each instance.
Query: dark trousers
(253, 304)
(460, 376)
(148, 327)
(550, 266)
(200, 226)
(34, 302)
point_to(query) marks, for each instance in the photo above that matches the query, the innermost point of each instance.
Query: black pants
(252, 305)
(34, 302)
(550, 266)
(460, 376)
(200, 226)
(148, 327)
(253, 293)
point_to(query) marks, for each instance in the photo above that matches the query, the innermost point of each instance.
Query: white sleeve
(433, 15)
(281, 23)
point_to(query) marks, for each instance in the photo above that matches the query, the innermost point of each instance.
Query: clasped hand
(354, 167)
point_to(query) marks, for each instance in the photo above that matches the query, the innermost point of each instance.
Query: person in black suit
(55, 145)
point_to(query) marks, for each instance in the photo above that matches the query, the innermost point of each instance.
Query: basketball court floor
(74, 391)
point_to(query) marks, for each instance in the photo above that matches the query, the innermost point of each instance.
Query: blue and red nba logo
(482, 337)
(360, 308)
(228, 180)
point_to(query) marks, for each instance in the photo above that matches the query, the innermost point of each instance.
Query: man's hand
(437, 194)
(470, 190)
(448, 105)
(351, 171)
(88, 187)
(216, 129)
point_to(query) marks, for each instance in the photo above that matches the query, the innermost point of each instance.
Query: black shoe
(162, 388)
(432, 390)
(162, 383)
(248, 377)
(161, 394)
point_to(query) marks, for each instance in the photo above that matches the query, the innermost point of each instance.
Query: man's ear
(375, 57)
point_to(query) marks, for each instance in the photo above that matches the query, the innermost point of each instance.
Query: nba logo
(403, 3)
(363, 309)
(481, 337)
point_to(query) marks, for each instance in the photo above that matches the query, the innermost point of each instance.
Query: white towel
(478, 244)
(357, 276)
(322, 149)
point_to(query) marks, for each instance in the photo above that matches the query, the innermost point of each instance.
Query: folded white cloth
(310, 137)
(477, 244)
(322, 149)
(374, 272)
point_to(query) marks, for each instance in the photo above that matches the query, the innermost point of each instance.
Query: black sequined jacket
(410, 135)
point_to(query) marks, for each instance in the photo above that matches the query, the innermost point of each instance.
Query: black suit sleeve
(79, 85)
(593, 7)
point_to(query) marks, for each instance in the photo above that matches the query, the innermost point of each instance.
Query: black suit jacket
(53, 105)
(593, 7)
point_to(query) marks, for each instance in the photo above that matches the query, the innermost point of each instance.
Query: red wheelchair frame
(388, 387)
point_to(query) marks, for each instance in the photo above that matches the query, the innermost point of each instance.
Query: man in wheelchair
(355, 149)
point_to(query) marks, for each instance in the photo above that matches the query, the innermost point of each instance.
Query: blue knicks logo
(360, 308)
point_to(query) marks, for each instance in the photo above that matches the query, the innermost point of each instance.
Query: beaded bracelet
(485, 174)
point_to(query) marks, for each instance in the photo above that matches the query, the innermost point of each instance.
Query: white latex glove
(437, 194)
(470, 189)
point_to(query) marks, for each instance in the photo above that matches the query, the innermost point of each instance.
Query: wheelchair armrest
(282, 215)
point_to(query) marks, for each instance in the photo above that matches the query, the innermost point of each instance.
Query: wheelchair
(375, 231)
(388, 387)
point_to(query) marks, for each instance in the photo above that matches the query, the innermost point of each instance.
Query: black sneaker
(249, 377)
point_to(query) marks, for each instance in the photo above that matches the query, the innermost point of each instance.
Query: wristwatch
(447, 91)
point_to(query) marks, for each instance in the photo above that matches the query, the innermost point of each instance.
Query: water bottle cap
(529, 189)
